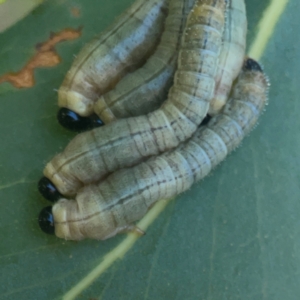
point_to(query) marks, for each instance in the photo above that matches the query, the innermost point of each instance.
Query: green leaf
(11, 11)
(235, 235)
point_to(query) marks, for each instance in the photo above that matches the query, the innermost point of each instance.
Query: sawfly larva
(123, 47)
(144, 90)
(232, 54)
(92, 155)
(113, 205)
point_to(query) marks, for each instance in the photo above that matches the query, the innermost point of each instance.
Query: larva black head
(46, 220)
(252, 65)
(74, 122)
(205, 120)
(48, 190)
(95, 121)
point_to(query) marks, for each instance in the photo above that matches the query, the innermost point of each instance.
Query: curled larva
(232, 54)
(104, 61)
(96, 153)
(145, 89)
(111, 206)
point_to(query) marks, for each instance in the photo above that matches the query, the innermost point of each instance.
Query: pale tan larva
(104, 61)
(232, 54)
(145, 89)
(111, 206)
(93, 154)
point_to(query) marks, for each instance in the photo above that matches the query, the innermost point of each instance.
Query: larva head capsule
(46, 220)
(205, 120)
(252, 65)
(48, 190)
(72, 121)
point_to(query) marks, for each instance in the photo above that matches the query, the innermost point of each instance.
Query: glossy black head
(48, 190)
(46, 220)
(72, 121)
(252, 65)
(205, 120)
(95, 121)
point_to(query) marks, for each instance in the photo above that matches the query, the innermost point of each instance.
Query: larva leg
(96, 153)
(104, 61)
(232, 54)
(100, 210)
(145, 89)
(134, 229)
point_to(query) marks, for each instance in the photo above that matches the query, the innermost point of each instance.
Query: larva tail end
(74, 122)
(48, 190)
(46, 220)
(252, 65)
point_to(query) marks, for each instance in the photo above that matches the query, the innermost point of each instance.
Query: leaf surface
(235, 235)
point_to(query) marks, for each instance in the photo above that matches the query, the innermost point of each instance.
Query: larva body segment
(144, 90)
(232, 53)
(124, 143)
(104, 61)
(111, 206)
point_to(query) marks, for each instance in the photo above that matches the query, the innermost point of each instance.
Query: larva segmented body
(142, 91)
(232, 54)
(123, 47)
(145, 89)
(92, 155)
(111, 206)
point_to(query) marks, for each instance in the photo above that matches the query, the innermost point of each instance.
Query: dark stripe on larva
(113, 33)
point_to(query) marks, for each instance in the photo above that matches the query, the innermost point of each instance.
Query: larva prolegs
(94, 154)
(107, 208)
(104, 61)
